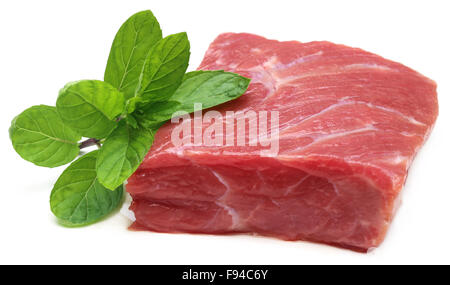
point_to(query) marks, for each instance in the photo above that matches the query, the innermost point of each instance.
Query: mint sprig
(145, 82)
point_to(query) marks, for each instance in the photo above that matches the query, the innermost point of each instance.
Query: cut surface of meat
(350, 124)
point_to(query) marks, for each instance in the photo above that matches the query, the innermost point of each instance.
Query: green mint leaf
(164, 68)
(39, 135)
(122, 152)
(129, 50)
(153, 114)
(210, 88)
(90, 107)
(78, 198)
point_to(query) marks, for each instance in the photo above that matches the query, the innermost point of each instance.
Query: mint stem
(89, 142)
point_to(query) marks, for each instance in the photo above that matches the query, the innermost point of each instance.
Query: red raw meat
(351, 122)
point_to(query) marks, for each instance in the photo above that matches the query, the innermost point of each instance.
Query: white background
(44, 44)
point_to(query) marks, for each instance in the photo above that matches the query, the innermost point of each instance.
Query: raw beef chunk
(350, 123)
